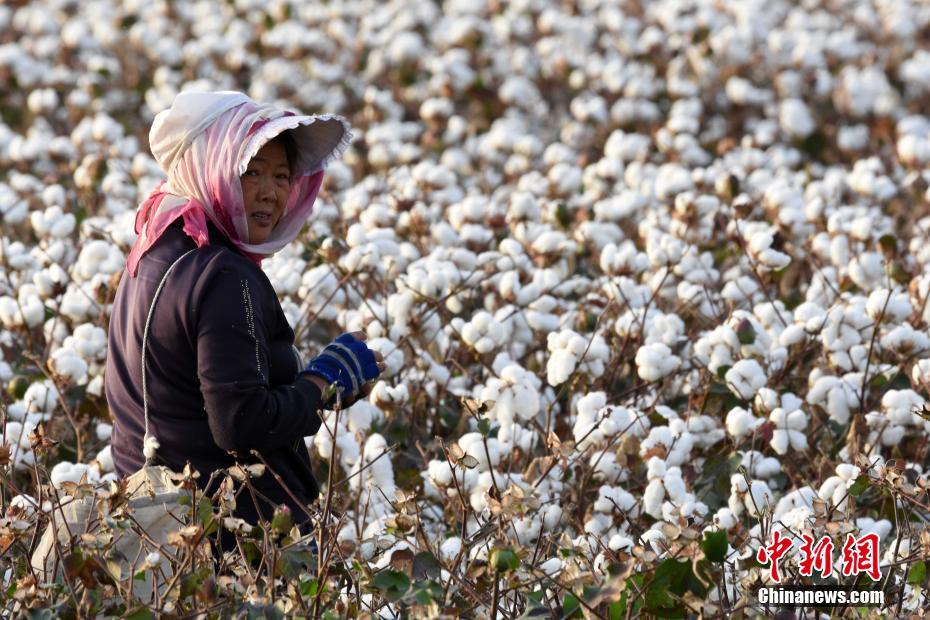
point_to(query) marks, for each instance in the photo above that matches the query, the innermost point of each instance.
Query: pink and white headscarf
(204, 142)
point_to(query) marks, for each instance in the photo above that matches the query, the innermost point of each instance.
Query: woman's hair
(286, 140)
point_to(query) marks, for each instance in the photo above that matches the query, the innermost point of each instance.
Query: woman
(222, 375)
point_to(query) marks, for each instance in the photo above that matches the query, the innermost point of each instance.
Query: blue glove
(347, 362)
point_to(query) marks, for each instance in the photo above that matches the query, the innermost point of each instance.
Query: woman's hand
(349, 364)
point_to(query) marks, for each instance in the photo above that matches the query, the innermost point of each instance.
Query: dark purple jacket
(220, 371)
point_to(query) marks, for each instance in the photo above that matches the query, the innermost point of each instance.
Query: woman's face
(266, 184)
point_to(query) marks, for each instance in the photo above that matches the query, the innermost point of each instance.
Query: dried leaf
(39, 440)
(477, 407)
(402, 561)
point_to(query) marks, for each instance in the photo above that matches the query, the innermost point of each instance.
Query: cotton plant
(896, 418)
(745, 378)
(676, 447)
(789, 430)
(835, 489)
(612, 503)
(16, 436)
(655, 361)
(482, 333)
(598, 423)
(845, 336)
(753, 497)
(838, 396)
(571, 352)
(760, 466)
(38, 403)
(516, 395)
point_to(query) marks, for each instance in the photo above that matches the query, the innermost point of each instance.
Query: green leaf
(745, 332)
(504, 559)
(425, 565)
(571, 608)
(484, 427)
(675, 577)
(615, 611)
(392, 584)
(917, 573)
(142, 613)
(859, 486)
(722, 372)
(293, 561)
(310, 589)
(714, 546)
(425, 592)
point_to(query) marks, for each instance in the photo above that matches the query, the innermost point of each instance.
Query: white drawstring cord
(149, 442)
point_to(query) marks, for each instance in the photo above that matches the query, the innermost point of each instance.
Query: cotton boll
(68, 364)
(795, 118)
(72, 472)
(759, 247)
(41, 397)
(483, 333)
(89, 341)
(653, 497)
(892, 306)
(655, 361)
(450, 549)
(440, 473)
(789, 430)
(104, 431)
(568, 349)
(52, 222)
(551, 517)
(473, 444)
(745, 378)
(105, 460)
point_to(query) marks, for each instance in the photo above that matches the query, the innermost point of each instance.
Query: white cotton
(552, 517)
(482, 449)
(759, 499)
(610, 499)
(891, 306)
(41, 397)
(68, 364)
(795, 118)
(66, 471)
(105, 459)
(450, 548)
(745, 378)
(104, 431)
(655, 361)
(392, 352)
(725, 519)
(653, 497)
(789, 430)
(551, 567)
(440, 473)
(149, 446)
(570, 351)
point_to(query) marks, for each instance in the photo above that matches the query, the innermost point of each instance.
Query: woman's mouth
(262, 218)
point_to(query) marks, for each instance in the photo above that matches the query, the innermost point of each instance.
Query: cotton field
(649, 278)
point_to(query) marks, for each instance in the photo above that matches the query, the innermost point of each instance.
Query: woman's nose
(266, 190)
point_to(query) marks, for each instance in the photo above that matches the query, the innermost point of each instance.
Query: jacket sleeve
(243, 411)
